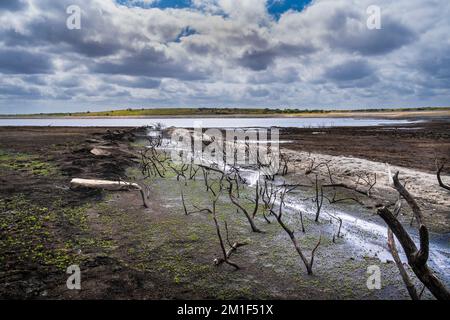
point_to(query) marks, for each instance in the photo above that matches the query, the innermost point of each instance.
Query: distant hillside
(216, 111)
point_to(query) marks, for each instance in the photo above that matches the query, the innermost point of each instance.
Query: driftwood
(100, 152)
(104, 185)
(108, 185)
(417, 258)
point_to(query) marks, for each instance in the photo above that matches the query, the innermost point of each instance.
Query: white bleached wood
(104, 185)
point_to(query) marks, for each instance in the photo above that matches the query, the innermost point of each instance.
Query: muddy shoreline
(127, 252)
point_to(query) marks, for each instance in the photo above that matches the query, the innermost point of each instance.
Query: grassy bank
(169, 112)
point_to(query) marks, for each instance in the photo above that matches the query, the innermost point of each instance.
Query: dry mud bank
(127, 251)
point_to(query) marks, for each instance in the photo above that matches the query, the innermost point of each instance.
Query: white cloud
(225, 53)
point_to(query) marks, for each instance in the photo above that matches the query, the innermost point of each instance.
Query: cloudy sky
(217, 53)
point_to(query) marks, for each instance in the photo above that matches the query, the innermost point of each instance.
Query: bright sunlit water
(203, 122)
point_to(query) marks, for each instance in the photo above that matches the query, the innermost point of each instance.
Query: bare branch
(417, 258)
(406, 279)
(438, 173)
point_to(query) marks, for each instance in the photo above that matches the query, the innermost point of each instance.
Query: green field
(217, 111)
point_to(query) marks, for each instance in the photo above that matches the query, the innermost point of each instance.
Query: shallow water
(204, 122)
(366, 238)
(369, 238)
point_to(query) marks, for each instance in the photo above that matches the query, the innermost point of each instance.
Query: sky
(223, 53)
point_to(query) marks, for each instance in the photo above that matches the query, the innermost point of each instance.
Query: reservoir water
(202, 122)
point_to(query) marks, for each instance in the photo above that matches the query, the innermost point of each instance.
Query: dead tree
(333, 199)
(180, 172)
(233, 247)
(249, 215)
(226, 254)
(440, 168)
(345, 186)
(338, 233)
(285, 161)
(208, 182)
(301, 221)
(417, 257)
(313, 166)
(279, 217)
(153, 163)
(370, 180)
(268, 196)
(405, 277)
(318, 199)
(184, 203)
(193, 171)
(394, 252)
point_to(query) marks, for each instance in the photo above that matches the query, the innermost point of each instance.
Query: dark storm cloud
(350, 70)
(435, 64)
(138, 83)
(352, 74)
(71, 82)
(148, 62)
(258, 60)
(198, 48)
(14, 61)
(392, 36)
(10, 90)
(12, 5)
(259, 93)
(51, 31)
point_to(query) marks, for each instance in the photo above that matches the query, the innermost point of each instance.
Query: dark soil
(127, 252)
(412, 146)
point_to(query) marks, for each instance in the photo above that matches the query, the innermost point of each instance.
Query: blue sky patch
(162, 4)
(186, 32)
(278, 7)
(275, 7)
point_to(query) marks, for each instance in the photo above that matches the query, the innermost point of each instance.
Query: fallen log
(100, 152)
(107, 185)
(104, 185)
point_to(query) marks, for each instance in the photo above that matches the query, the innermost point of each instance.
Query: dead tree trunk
(233, 248)
(222, 245)
(394, 252)
(318, 199)
(250, 216)
(301, 220)
(417, 258)
(225, 254)
(438, 173)
(184, 203)
(308, 264)
(408, 283)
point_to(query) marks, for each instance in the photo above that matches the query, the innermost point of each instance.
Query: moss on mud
(26, 163)
(53, 236)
